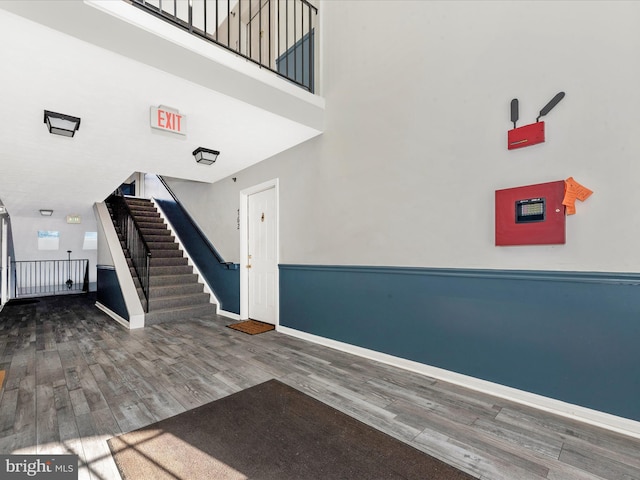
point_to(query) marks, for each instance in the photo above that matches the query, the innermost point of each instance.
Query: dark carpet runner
(270, 432)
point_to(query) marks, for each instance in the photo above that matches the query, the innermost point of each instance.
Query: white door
(262, 255)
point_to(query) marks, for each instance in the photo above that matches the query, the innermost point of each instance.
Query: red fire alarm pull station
(531, 215)
(533, 133)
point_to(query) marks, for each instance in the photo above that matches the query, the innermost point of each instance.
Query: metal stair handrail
(139, 250)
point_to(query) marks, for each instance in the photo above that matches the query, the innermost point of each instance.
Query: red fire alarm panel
(531, 215)
(525, 136)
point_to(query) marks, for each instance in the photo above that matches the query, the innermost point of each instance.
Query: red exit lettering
(170, 120)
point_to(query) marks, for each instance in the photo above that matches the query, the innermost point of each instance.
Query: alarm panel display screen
(530, 210)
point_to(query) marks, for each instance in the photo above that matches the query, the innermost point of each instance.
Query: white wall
(25, 236)
(417, 113)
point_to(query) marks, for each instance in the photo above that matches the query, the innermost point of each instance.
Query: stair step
(176, 301)
(153, 221)
(154, 230)
(139, 206)
(173, 290)
(161, 245)
(171, 270)
(161, 258)
(138, 201)
(159, 226)
(158, 270)
(162, 280)
(144, 215)
(169, 280)
(169, 261)
(184, 313)
(165, 237)
(166, 253)
(171, 296)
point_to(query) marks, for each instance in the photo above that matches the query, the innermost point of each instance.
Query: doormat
(252, 327)
(270, 431)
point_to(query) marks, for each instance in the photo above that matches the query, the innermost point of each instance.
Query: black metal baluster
(311, 62)
(260, 32)
(286, 39)
(205, 18)
(295, 42)
(302, 40)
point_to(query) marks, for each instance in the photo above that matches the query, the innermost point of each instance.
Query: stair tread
(171, 270)
(160, 261)
(180, 313)
(150, 238)
(175, 276)
(190, 294)
(183, 308)
(162, 245)
(163, 291)
(173, 280)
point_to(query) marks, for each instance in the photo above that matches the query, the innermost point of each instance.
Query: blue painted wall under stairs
(109, 292)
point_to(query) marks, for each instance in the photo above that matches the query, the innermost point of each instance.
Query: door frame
(4, 263)
(244, 245)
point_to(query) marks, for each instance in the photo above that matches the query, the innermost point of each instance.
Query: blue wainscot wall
(108, 291)
(572, 336)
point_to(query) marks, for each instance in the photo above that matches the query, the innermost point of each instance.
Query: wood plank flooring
(75, 378)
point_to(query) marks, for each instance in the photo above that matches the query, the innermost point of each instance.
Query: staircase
(174, 292)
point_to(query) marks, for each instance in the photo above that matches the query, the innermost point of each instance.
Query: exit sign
(168, 119)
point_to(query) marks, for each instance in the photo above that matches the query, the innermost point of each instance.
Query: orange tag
(573, 190)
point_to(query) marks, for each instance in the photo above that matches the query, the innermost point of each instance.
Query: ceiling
(72, 58)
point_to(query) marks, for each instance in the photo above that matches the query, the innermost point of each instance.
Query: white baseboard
(576, 412)
(113, 315)
(231, 315)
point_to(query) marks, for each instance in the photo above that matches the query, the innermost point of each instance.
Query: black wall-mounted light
(205, 156)
(45, 212)
(61, 124)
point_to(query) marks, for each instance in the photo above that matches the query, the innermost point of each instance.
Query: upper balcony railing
(280, 35)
